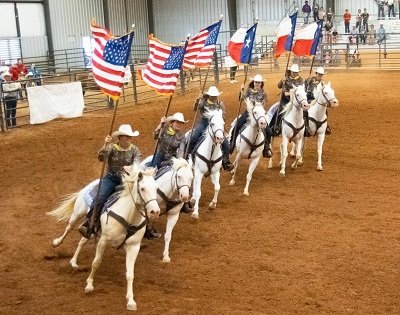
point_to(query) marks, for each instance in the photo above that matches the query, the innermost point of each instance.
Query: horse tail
(64, 211)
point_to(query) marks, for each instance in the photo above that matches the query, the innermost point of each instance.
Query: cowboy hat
(295, 68)
(213, 91)
(125, 130)
(29, 74)
(177, 117)
(6, 74)
(320, 70)
(257, 78)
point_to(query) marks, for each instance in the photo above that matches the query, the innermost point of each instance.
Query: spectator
(358, 19)
(315, 11)
(347, 19)
(306, 12)
(353, 38)
(321, 14)
(36, 74)
(365, 18)
(329, 15)
(3, 69)
(391, 9)
(381, 34)
(328, 30)
(362, 35)
(10, 96)
(335, 35)
(371, 35)
(381, 9)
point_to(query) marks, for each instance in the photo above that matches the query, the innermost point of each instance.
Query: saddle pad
(161, 171)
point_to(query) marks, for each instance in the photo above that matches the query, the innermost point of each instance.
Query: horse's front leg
(101, 246)
(215, 180)
(172, 218)
(74, 260)
(236, 163)
(198, 177)
(292, 151)
(320, 143)
(252, 167)
(284, 154)
(132, 251)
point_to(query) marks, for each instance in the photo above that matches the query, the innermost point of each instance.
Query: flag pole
(167, 110)
(240, 101)
(95, 213)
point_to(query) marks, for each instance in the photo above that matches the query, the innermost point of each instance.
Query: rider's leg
(306, 122)
(328, 130)
(157, 159)
(226, 164)
(108, 184)
(267, 152)
(239, 124)
(197, 132)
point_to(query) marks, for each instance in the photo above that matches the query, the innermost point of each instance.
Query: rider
(255, 93)
(206, 102)
(171, 139)
(291, 80)
(119, 151)
(310, 87)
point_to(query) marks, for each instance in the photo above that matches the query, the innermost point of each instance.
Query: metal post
(135, 97)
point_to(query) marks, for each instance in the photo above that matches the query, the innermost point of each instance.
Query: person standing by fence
(10, 91)
(306, 12)
(347, 19)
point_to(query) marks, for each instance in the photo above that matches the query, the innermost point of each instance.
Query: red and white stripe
(197, 54)
(163, 81)
(107, 76)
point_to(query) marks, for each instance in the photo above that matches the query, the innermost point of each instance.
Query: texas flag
(284, 34)
(241, 44)
(307, 40)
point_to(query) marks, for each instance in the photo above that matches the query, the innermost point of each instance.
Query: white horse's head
(216, 125)
(298, 97)
(326, 95)
(183, 178)
(140, 184)
(257, 114)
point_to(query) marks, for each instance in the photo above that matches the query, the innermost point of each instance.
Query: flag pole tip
(221, 16)
(133, 26)
(297, 9)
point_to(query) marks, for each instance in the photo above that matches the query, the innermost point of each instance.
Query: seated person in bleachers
(381, 34)
(328, 31)
(335, 35)
(353, 38)
(371, 35)
(362, 34)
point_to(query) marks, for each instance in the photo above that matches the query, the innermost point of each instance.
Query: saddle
(90, 196)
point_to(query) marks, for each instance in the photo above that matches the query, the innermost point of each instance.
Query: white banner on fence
(53, 101)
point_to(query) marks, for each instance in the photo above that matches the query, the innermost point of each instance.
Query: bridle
(213, 132)
(328, 101)
(299, 102)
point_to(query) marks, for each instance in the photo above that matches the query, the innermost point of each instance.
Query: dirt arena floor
(311, 243)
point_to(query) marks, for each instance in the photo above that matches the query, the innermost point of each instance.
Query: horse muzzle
(334, 103)
(305, 105)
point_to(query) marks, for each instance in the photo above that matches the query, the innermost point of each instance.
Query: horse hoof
(195, 215)
(299, 163)
(212, 205)
(292, 155)
(246, 193)
(233, 172)
(166, 259)
(320, 168)
(55, 243)
(282, 174)
(231, 183)
(131, 307)
(74, 265)
(293, 167)
(89, 289)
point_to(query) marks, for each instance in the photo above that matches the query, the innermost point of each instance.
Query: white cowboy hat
(177, 117)
(6, 74)
(29, 74)
(320, 70)
(295, 68)
(125, 130)
(257, 78)
(213, 91)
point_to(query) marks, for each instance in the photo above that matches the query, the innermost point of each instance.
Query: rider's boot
(151, 232)
(186, 208)
(306, 122)
(87, 228)
(267, 152)
(226, 164)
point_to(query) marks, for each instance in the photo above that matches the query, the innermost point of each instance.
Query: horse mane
(177, 163)
(131, 178)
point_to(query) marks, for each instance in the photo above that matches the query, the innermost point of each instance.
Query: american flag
(163, 66)
(109, 59)
(201, 47)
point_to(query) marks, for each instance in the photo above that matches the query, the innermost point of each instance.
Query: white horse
(173, 190)
(250, 141)
(122, 224)
(208, 160)
(318, 119)
(292, 126)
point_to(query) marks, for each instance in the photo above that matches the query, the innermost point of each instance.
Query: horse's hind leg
(101, 246)
(299, 145)
(292, 154)
(252, 167)
(171, 221)
(215, 180)
(321, 138)
(132, 252)
(236, 163)
(74, 260)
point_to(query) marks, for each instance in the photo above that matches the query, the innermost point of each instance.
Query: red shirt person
(347, 19)
(17, 70)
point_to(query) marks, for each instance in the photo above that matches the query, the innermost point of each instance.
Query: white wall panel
(116, 11)
(136, 12)
(7, 18)
(31, 19)
(34, 46)
(70, 21)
